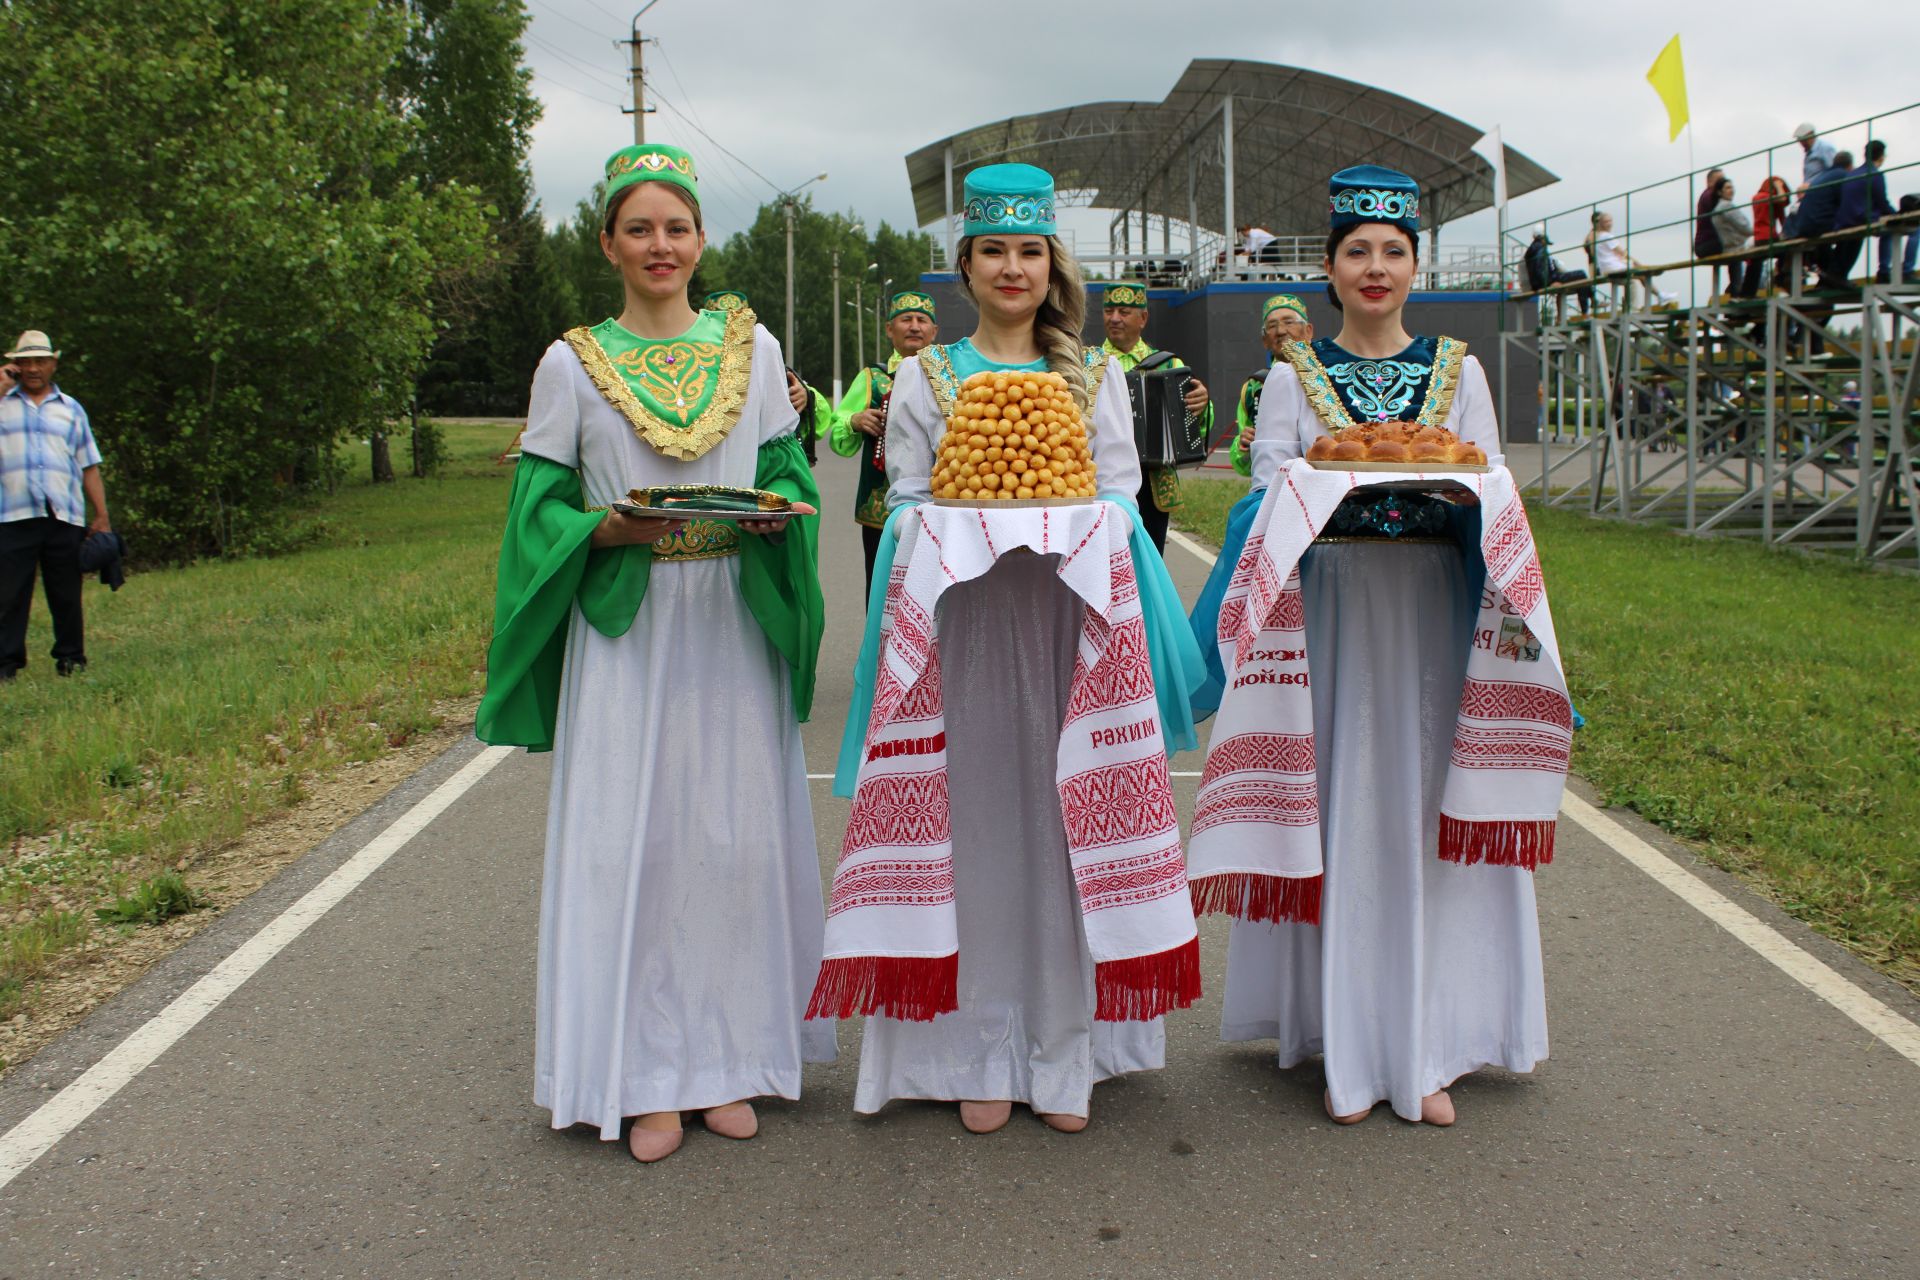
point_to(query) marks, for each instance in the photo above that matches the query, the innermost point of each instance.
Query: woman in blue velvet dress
(1420, 970)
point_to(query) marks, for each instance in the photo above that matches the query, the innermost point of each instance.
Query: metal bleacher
(1723, 415)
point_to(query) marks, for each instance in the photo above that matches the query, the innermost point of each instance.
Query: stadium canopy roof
(1233, 142)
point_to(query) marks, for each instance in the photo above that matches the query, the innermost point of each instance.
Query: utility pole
(639, 108)
(836, 324)
(789, 204)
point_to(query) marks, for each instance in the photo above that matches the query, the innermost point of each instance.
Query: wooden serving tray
(1425, 468)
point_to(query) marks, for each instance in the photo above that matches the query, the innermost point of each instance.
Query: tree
(461, 80)
(755, 262)
(208, 205)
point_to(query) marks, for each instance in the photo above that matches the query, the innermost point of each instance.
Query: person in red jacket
(1769, 224)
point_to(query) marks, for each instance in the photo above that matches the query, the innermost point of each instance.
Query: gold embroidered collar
(1332, 410)
(703, 430)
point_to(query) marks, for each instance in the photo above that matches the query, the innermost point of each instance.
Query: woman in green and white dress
(667, 666)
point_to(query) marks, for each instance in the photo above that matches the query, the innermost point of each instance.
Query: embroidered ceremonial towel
(892, 944)
(1255, 847)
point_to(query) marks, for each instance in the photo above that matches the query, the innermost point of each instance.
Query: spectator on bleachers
(1609, 257)
(1769, 224)
(1732, 229)
(1818, 157)
(1863, 199)
(1542, 270)
(1820, 210)
(1259, 245)
(1909, 203)
(1706, 236)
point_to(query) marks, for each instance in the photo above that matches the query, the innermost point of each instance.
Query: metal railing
(1786, 414)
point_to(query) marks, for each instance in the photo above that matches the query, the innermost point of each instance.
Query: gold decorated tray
(1436, 468)
(704, 502)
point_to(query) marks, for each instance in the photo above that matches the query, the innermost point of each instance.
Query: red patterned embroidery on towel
(1269, 752)
(894, 884)
(1126, 882)
(1118, 802)
(1515, 700)
(898, 809)
(1507, 747)
(1286, 804)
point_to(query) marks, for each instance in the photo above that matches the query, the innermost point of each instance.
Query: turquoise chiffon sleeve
(1204, 625)
(853, 736)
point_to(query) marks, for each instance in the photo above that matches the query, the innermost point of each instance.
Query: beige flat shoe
(649, 1144)
(1354, 1117)
(735, 1120)
(984, 1117)
(1061, 1121)
(1437, 1109)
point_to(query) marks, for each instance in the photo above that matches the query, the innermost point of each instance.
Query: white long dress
(1025, 1030)
(1420, 970)
(680, 915)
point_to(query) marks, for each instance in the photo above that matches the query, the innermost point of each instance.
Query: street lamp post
(858, 229)
(787, 200)
(860, 311)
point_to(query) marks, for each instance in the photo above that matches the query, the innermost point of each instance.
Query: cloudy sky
(794, 87)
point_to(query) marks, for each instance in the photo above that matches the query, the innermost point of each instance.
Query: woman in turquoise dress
(1025, 1029)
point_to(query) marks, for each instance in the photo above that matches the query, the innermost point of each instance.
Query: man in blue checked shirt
(49, 475)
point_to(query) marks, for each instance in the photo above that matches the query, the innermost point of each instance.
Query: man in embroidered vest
(859, 424)
(49, 475)
(805, 400)
(1124, 309)
(1283, 319)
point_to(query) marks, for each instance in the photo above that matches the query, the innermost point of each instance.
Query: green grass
(213, 690)
(158, 899)
(1764, 706)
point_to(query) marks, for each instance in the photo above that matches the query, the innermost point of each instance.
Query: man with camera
(49, 476)
(1124, 311)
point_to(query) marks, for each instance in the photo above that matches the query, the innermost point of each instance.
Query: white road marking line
(1180, 539)
(1892, 1030)
(61, 1114)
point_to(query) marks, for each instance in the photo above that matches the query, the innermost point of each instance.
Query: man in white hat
(1818, 154)
(49, 475)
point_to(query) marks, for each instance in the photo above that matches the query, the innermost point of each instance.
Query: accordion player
(1165, 431)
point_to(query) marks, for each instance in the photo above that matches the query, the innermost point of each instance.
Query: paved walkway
(361, 1105)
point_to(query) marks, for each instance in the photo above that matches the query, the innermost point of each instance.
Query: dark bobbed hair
(1333, 246)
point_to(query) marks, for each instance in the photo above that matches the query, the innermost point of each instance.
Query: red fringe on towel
(1143, 987)
(911, 988)
(1507, 843)
(1247, 896)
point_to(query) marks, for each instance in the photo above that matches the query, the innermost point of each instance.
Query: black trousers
(871, 537)
(1152, 518)
(53, 548)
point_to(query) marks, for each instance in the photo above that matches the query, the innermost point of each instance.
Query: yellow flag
(1669, 80)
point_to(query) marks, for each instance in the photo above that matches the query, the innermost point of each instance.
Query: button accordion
(1165, 431)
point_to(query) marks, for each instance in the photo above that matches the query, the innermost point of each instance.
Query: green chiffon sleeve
(546, 563)
(844, 440)
(1237, 452)
(780, 578)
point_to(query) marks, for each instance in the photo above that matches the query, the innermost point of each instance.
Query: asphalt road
(363, 1107)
